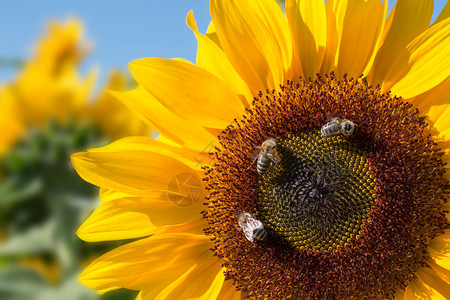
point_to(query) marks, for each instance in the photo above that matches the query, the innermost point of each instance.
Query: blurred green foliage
(42, 203)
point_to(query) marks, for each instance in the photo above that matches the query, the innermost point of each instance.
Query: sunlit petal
(188, 91)
(255, 37)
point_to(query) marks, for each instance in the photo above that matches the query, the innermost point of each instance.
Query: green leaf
(35, 240)
(120, 294)
(13, 191)
(70, 289)
(17, 283)
(23, 284)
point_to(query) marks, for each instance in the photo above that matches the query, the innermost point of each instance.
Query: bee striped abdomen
(331, 128)
(260, 234)
(263, 164)
(339, 126)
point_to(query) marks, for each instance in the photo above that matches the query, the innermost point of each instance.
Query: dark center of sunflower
(347, 216)
(319, 195)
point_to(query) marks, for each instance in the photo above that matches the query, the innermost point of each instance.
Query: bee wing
(275, 157)
(248, 231)
(256, 152)
(254, 156)
(330, 115)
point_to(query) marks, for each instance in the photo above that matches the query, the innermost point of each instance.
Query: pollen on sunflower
(346, 216)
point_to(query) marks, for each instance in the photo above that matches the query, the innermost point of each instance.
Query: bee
(267, 153)
(339, 125)
(252, 227)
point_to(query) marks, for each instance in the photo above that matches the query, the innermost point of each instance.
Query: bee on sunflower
(360, 213)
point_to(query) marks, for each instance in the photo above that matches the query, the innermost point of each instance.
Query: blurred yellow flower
(347, 217)
(50, 87)
(47, 113)
(9, 120)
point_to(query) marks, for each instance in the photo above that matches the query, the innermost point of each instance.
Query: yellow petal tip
(190, 21)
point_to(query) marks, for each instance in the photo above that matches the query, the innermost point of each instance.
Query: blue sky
(120, 30)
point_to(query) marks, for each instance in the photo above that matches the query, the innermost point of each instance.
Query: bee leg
(252, 163)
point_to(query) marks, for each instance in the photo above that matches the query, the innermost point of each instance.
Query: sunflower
(346, 194)
(46, 114)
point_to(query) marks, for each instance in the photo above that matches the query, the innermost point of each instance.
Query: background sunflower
(47, 113)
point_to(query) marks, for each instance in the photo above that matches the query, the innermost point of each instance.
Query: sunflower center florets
(348, 215)
(319, 195)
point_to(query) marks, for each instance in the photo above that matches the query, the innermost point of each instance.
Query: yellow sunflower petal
(409, 295)
(417, 289)
(399, 295)
(308, 23)
(437, 96)
(212, 34)
(139, 296)
(442, 272)
(163, 120)
(133, 217)
(431, 279)
(195, 227)
(335, 11)
(188, 91)
(183, 60)
(407, 21)
(211, 58)
(188, 215)
(205, 282)
(345, 40)
(109, 195)
(229, 292)
(439, 249)
(423, 64)
(191, 158)
(445, 13)
(113, 220)
(361, 29)
(130, 171)
(440, 118)
(255, 36)
(151, 263)
(104, 291)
